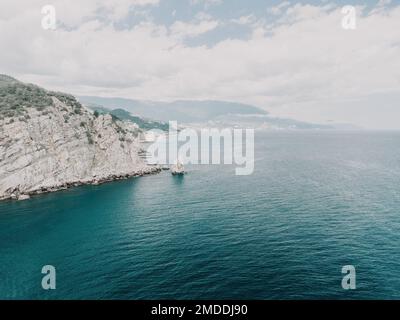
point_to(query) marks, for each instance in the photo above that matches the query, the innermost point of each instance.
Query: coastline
(20, 196)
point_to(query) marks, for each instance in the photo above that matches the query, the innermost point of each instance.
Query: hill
(49, 141)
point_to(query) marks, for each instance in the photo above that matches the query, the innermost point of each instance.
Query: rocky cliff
(48, 142)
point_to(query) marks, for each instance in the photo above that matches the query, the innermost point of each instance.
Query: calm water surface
(316, 202)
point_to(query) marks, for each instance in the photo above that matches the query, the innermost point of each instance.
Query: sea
(316, 202)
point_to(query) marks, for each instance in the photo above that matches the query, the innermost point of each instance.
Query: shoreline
(69, 185)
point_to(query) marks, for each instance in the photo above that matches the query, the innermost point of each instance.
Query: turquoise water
(316, 202)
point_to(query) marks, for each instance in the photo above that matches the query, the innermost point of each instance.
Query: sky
(292, 58)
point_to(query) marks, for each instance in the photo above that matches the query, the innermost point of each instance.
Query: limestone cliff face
(51, 148)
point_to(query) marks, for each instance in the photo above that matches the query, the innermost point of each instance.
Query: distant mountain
(200, 113)
(267, 122)
(181, 111)
(121, 114)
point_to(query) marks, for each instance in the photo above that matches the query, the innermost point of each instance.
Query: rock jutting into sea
(49, 142)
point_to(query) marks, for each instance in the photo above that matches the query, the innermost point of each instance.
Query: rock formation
(48, 142)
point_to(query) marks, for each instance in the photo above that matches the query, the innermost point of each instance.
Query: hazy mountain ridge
(182, 111)
(198, 113)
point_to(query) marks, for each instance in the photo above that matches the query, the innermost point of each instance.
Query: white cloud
(245, 20)
(72, 14)
(206, 3)
(279, 8)
(305, 66)
(202, 24)
(383, 3)
(182, 29)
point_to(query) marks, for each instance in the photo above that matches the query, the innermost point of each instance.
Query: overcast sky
(292, 58)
